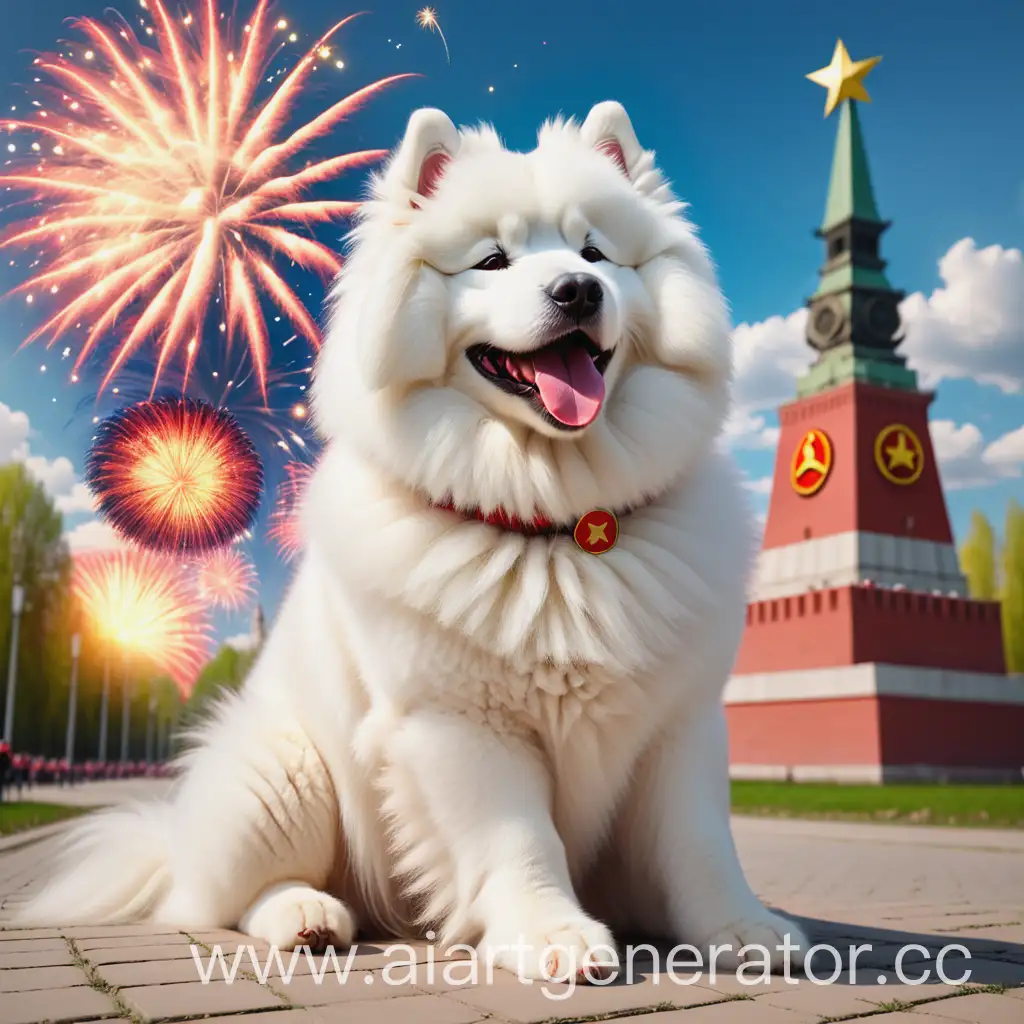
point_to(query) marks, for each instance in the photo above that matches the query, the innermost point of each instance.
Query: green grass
(16, 817)
(928, 804)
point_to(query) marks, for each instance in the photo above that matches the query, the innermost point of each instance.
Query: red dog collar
(594, 532)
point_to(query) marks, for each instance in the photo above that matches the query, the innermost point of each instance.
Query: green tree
(226, 670)
(34, 555)
(1013, 587)
(978, 558)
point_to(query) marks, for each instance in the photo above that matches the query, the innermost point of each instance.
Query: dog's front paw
(558, 947)
(294, 914)
(746, 940)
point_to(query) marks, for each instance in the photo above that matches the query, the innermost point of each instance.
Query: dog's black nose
(578, 296)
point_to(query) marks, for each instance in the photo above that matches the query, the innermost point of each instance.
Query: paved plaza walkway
(937, 906)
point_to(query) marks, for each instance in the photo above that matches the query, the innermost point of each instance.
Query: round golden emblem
(811, 463)
(899, 454)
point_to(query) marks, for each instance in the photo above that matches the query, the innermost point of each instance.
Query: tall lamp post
(151, 723)
(104, 709)
(126, 712)
(17, 606)
(69, 753)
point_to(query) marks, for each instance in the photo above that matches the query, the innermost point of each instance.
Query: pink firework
(285, 521)
(226, 578)
(168, 185)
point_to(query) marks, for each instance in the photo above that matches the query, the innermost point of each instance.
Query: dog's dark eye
(592, 254)
(496, 261)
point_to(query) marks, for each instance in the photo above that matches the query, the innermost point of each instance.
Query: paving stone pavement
(903, 893)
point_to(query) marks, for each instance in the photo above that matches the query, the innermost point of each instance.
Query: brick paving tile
(44, 958)
(115, 931)
(510, 999)
(283, 1016)
(156, 972)
(130, 941)
(31, 945)
(139, 954)
(361, 987)
(738, 1011)
(844, 1000)
(980, 1008)
(364, 956)
(67, 1004)
(193, 999)
(15, 934)
(36, 979)
(420, 1009)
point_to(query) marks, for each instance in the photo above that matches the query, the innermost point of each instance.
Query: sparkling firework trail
(143, 603)
(427, 18)
(175, 475)
(285, 521)
(168, 188)
(226, 578)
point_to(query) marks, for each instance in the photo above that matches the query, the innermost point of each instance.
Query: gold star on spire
(844, 78)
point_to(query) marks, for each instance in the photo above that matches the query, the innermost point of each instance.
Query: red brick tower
(863, 658)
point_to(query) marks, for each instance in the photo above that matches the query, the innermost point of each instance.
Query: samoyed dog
(491, 704)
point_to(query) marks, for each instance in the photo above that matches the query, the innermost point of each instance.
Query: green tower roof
(849, 190)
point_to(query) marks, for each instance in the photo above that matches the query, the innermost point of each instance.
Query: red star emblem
(597, 531)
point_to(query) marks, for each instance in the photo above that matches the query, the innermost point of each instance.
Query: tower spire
(854, 319)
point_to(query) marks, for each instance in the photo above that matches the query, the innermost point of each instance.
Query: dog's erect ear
(609, 130)
(430, 142)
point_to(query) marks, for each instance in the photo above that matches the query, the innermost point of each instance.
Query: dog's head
(539, 331)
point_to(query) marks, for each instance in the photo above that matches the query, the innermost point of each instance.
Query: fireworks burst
(175, 475)
(144, 604)
(285, 522)
(226, 578)
(168, 189)
(427, 18)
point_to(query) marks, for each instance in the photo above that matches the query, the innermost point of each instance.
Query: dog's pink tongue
(570, 386)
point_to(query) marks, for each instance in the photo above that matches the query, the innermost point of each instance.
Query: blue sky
(718, 90)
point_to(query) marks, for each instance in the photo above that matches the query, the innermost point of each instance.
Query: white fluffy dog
(464, 718)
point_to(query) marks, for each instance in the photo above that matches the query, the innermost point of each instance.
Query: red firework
(226, 578)
(144, 605)
(170, 185)
(285, 521)
(175, 475)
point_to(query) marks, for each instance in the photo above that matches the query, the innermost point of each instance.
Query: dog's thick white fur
(457, 726)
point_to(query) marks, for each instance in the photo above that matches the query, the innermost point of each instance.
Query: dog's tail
(113, 867)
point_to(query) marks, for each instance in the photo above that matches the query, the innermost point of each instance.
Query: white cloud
(762, 486)
(243, 642)
(92, 536)
(58, 476)
(972, 327)
(14, 430)
(965, 460)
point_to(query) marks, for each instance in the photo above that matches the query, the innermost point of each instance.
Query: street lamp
(104, 708)
(151, 723)
(69, 753)
(17, 606)
(126, 712)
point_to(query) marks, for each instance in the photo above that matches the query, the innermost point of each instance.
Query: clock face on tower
(825, 323)
(881, 318)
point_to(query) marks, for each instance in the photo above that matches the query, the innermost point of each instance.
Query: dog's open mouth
(564, 379)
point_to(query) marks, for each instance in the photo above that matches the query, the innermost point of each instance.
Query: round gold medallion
(811, 463)
(899, 454)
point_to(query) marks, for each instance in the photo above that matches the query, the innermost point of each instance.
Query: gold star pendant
(597, 532)
(901, 454)
(844, 78)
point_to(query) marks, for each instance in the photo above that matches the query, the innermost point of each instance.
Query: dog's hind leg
(258, 820)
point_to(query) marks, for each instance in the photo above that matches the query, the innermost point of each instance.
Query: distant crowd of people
(21, 771)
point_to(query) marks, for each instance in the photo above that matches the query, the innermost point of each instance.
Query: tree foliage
(1012, 590)
(33, 551)
(978, 559)
(226, 670)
